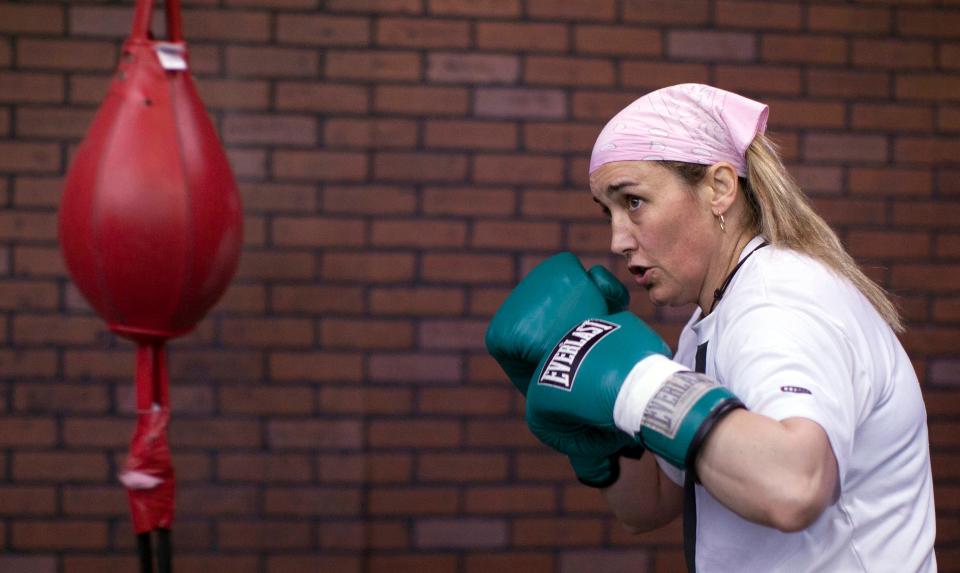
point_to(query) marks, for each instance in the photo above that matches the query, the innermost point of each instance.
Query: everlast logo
(566, 357)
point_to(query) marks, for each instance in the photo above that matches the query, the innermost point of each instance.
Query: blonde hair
(780, 211)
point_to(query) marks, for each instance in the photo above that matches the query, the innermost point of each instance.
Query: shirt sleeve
(786, 362)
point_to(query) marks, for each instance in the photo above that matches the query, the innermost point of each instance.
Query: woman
(807, 444)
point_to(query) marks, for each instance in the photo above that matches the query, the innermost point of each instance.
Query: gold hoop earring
(723, 227)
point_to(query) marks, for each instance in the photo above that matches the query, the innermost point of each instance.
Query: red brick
(895, 54)
(680, 12)
(268, 129)
(248, 163)
(890, 181)
(577, 499)
(947, 246)
(266, 401)
(557, 531)
(461, 467)
(236, 25)
(301, 96)
(472, 68)
(317, 299)
(516, 235)
(373, 65)
(460, 134)
(520, 103)
(263, 467)
(59, 467)
(461, 533)
(467, 201)
(419, 233)
(940, 24)
(421, 100)
(599, 106)
(484, 302)
(848, 84)
(323, 434)
(760, 80)
(23, 363)
(654, 75)
(413, 563)
(420, 301)
(478, 8)
(755, 15)
(617, 40)
(412, 501)
(926, 214)
(888, 244)
(297, 563)
(518, 169)
(512, 561)
(206, 433)
(369, 199)
(316, 365)
(270, 62)
(571, 10)
(843, 148)
(205, 365)
(803, 49)
(20, 19)
(949, 55)
(806, 114)
(376, 6)
(60, 534)
(271, 534)
(113, 564)
(417, 167)
(259, 332)
(322, 30)
(53, 398)
(559, 71)
(854, 20)
(233, 94)
(927, 150)
(311, 501)
(368, 266)
(22, 157)
(522, 36)
(422, 33)
(415, 368)
(948, 118)
(57, 329)
(589, 237)
(711, 45)
(28, 500)
(374, 133)
(604, 560)
(349, 400)
(925, 277)
(319, 165)
(466, 401)
(366, 334)
(559, 137)
(500, 434)
(28, 295)
(65, 54)
(815, 179)
(510, 499)
(36, 262)
(928, 87)
(107, 501)
(48, 122)
(892, 117)
(474, 268)
(318, 232)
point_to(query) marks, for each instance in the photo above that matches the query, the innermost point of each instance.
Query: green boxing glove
(557, 294)
(613, 375)
(554, 296)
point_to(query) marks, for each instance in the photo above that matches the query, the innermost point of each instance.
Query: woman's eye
(634, 203)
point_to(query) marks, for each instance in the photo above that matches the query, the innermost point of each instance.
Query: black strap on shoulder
(718, 294)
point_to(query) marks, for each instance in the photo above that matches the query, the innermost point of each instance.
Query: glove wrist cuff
(643, 381)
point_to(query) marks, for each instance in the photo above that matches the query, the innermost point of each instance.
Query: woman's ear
(722, 179)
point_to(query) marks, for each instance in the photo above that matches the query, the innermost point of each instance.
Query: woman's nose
(621, 240)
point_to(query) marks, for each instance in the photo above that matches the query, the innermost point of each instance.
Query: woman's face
(663, 227)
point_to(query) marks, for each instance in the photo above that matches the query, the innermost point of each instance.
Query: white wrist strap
(643, 381)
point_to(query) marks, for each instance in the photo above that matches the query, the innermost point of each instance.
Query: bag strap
(143, 14)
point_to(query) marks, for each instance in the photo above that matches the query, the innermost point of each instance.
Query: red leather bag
(151, 231)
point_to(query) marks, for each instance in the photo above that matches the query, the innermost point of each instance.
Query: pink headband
(687, 122)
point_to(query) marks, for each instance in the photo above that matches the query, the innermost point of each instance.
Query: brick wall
(402, 163)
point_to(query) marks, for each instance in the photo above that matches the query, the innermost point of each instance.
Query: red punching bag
(151, 231)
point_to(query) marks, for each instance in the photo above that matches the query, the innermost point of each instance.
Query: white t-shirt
(792, 339)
